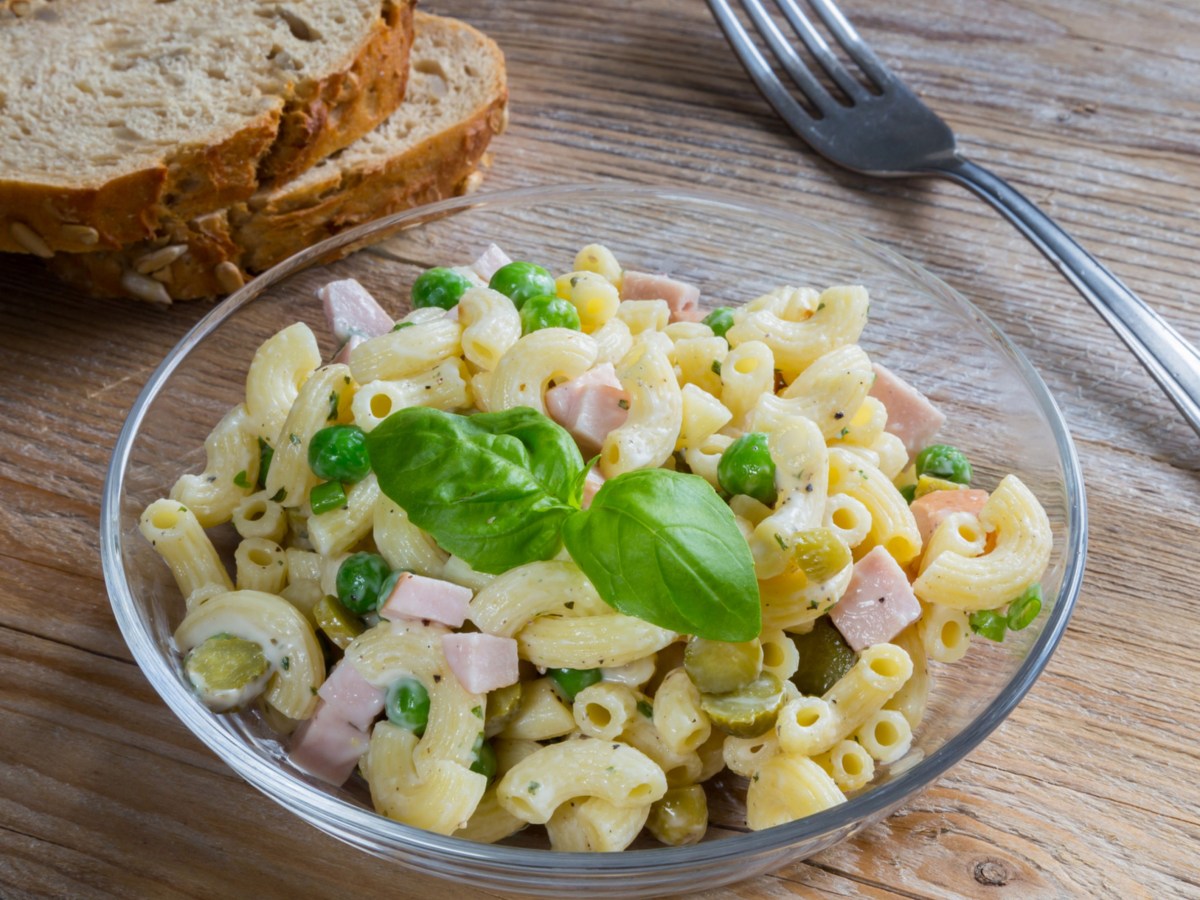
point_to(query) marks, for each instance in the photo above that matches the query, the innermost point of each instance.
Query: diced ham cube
(911, 417)
(326, 746)
(592, 482)
(931, 509)
(489, 261)
(681, 297)
(481, 662)
(343, 354)
(589, 406)
(428, 599)
(351, 696)
(351, 310)
(878, 604)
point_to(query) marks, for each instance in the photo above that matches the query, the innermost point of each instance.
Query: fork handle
(1170, 360)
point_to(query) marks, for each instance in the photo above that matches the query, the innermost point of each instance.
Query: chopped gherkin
(338, 624)
(820, 553)
(824, 658)
(717, 667)
(502, 705)
(927, 484)
(680, 817)
(748, 711)
(226, 670)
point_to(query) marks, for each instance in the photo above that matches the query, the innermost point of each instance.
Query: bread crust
(320, 116)
(226, 247)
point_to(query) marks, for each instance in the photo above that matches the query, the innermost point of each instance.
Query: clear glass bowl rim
(383, 836)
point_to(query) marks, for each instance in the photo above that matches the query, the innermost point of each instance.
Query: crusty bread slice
(117, 113)
(426, 151)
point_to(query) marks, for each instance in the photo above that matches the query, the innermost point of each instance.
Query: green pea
(485, 758)
(569, 682)
(1023, 610)
(546, 311)
(989, 624)
(944, 461)
(720, 320)
(360, 580)
(407, 705)
(339, 453)
(518, 281)
(746, 467)
(824, 658)
(439, 287)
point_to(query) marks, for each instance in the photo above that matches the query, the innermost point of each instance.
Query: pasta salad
(556, 551)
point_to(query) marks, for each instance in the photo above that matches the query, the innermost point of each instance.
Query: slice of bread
(426, 151)
(117, 113)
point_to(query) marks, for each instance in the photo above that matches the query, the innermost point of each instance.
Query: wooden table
(1092, 787)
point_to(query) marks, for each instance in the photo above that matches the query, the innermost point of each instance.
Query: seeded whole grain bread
(429, 149)
(116, 114)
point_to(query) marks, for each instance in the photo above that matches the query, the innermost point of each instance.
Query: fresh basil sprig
(493, 488)
(503, 489)
(662, 546)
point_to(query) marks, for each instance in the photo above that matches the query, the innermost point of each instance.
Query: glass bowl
(997, 407)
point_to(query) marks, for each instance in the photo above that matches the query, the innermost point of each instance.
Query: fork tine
(820, 50)
(788, 58)
(856, 48)
(760, 71)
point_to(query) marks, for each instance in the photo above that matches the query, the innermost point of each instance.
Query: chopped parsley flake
(644, 707)
(241, 479)
(533, 787)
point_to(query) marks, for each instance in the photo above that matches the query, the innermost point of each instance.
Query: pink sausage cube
(489, 261)
(327, 747)
(352, 310)
(931, 509)
(911, 417)
(481, 662)
(589, 406)
(682, 298)
(350, 695)
(878, 604)
(592, 483)
(428, 599)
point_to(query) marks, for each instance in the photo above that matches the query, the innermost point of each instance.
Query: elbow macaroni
(590, 763)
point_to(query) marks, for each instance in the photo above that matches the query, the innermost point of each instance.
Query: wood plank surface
(1092, 786)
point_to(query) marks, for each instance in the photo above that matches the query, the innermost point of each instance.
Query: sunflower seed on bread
(429, 149)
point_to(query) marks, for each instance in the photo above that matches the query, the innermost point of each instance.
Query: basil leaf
(553, 457)
(492, 489)
(662, 546)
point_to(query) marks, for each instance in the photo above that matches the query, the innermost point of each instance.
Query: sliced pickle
(680, 817)
(927, 484)
(227, 671)
(718, 667)
(502, 705)
(748, 711)
(339, 624)
(824, 658)
(820, 553)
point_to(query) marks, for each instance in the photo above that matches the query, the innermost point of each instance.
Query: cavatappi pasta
(477, 701)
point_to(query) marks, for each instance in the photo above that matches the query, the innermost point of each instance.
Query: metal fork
(891, 133)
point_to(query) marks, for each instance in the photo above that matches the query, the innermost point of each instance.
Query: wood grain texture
(1092, 786)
